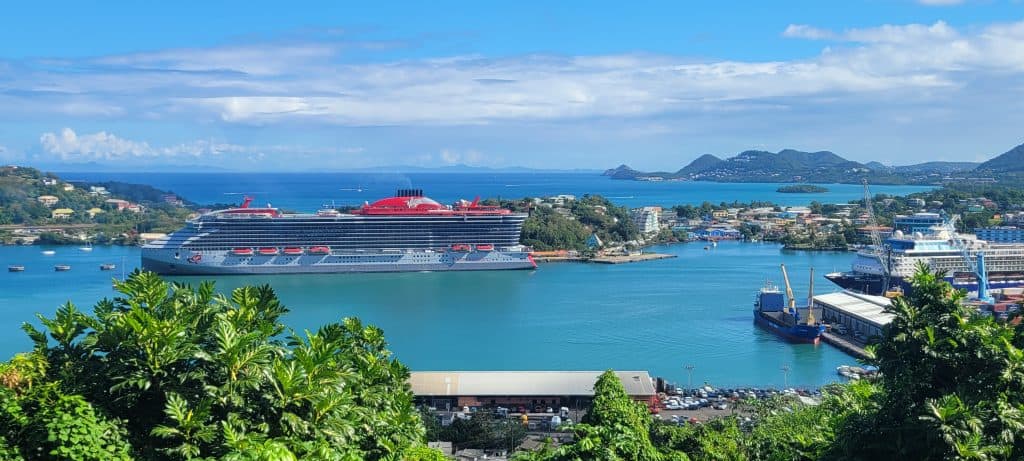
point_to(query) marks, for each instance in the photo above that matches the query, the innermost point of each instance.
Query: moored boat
(16, 268)
(774, 313)
(49, 252)
(108, 267)
(404, 233)
(61, 268)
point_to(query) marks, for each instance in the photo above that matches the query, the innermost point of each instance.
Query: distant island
(802, 189)
(824, 167)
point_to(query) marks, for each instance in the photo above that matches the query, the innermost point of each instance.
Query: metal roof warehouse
(519, 388)
(858, 312)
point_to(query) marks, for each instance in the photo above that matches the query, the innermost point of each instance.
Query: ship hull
(806, 334)
(182, 262)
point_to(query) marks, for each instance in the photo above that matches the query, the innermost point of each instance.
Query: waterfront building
(859, 313)
(1000, 234)
(917, 222)
(48, 200)
(513, 389)
(594, 241)
(646, 218)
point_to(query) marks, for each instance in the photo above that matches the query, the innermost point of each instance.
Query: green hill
(1011, 161)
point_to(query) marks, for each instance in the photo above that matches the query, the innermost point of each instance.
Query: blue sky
(314, 85)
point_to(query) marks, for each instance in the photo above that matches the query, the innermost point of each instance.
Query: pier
(846, 345)
(630, 258)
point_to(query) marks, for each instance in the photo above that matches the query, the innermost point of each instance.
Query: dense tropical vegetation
(567, 226)
(169, 371)
(951, 387)
(21, 187)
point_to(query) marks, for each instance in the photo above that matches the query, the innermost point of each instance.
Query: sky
(313, 86)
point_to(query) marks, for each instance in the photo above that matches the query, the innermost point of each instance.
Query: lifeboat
(293, 251)
(242, 251)
(461, 247)
(319, 250)
(269, 251)
(485, 247)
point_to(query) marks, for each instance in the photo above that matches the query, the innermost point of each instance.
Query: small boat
(108, 267)
(319, 250)
(268, 251)
(62, 268)
(293, 251)
(485, 247)
(16, 268)
(714, 243)
(85, 248)
(242, 252)
(49, 252)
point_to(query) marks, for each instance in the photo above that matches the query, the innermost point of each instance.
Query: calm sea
(309, 191)
(657, 315)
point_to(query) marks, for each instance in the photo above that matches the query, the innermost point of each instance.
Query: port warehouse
(857, 312)
(512, 389)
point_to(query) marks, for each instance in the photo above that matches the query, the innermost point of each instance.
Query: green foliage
(168, 371)
(951, 381)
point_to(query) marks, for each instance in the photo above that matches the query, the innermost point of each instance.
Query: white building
(860, 313)
(646, 218)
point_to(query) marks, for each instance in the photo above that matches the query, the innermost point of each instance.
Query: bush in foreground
(168, 371)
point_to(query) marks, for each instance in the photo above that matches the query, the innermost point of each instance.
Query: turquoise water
(308, 191)
(656, 315)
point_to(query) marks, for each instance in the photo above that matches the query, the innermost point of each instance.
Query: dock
(630, 258)
(846, 345)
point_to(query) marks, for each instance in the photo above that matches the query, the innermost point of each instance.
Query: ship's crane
(790, 300)
(876, 238)
(810, 299)
(975, 266)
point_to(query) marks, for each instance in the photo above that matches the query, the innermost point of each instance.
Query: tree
(951, 382)
(168, 371)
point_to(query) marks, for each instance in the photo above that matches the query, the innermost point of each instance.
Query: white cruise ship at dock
(407, 232)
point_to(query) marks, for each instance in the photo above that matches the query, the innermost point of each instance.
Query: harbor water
(658, 315)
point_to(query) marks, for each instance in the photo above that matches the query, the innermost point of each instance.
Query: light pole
(785, 376)
(689, 379)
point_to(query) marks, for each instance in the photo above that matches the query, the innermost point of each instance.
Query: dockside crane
(975, 265)
(790, 299)
(877, 249)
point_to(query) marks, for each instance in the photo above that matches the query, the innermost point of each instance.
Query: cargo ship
(405, 233)
(875, 271)
(774, 313)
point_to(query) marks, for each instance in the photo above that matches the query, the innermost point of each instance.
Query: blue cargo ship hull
(810, 334)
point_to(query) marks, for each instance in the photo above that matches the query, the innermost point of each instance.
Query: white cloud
(808, 32)
(70, 146)
(313, 83)
(467, 157)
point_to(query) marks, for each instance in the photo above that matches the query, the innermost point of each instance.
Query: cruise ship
(407, 232)
(1004, 262)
